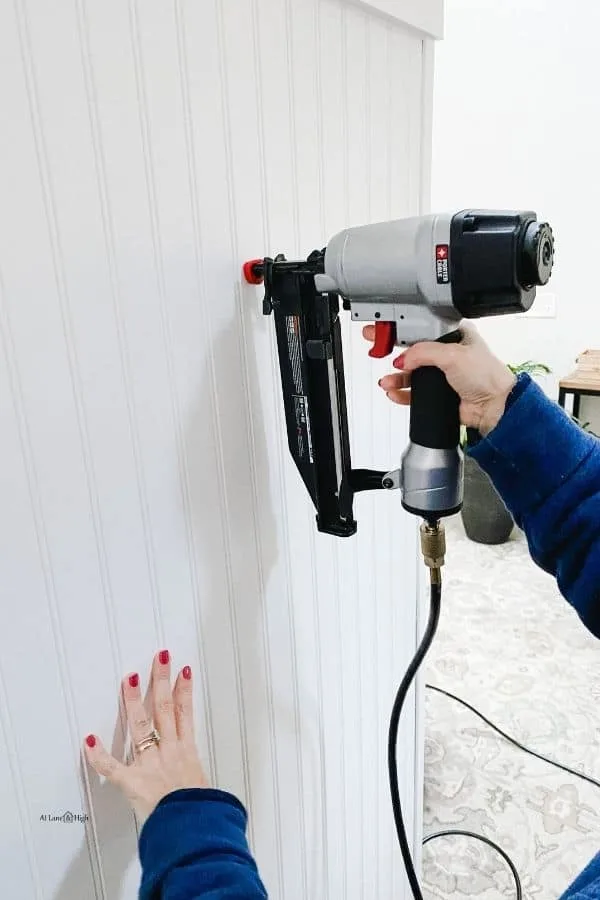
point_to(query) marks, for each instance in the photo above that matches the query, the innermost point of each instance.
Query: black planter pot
(485, 517)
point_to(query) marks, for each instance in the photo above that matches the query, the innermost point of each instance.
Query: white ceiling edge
(425, 15)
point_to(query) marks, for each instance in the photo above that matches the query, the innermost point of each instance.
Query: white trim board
(425, 15)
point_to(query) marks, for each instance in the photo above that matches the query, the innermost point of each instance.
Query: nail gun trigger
(385, 339)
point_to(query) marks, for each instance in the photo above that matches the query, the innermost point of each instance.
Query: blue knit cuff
(533, 449)
(189, 825)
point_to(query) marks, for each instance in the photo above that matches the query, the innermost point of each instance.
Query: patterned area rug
(511, 646)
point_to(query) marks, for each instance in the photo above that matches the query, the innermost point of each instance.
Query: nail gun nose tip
(253, 271)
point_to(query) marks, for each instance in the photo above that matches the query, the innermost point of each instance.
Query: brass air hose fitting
(433, 548)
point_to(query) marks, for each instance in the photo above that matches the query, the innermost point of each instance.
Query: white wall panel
(148, 149)
(427, 17)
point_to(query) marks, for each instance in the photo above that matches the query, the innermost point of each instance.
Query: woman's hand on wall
(165, 757)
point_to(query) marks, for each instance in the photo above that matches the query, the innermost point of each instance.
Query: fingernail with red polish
(187, 673)
(90, 740)
(399, 363)
(134, 680)
(163, 657)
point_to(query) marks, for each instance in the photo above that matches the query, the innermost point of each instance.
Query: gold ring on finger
(153, 740)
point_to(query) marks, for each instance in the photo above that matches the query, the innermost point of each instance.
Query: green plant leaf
(530, 367)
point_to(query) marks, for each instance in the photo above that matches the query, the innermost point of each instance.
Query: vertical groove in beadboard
(115, 293)
(47, 570)
(267, 238)
(291, 61)
(190, 148)
(8, 731)
(146, 138)
(225, 513)
(336, 575)
(425, 101)
(67, 323)
(390, 843)
(249, 415)
(417, 89)
(313, 549)
(340, 686)
(255, 493)
(235, 254)
(352, 412)
(374, 87)
(224, 506)
(341, 703)
(346, 320)
(347, 328)
(5, 716)
(390, 107)
(73, 363)
(116, 299)
(175, 408)
(369, 181)
(342, 727)
(399, 47)
(282, 450)
(425, 137)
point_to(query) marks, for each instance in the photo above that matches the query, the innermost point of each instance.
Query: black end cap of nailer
(339, 528)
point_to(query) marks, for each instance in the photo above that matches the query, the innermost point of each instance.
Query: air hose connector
(433, 548)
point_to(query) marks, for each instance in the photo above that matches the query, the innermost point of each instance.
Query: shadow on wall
(243, 529)
(115, 829)
(252, 537)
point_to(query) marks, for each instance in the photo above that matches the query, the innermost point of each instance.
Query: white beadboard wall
(148, 149)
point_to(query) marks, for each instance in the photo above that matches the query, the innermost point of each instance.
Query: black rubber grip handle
(434, 406)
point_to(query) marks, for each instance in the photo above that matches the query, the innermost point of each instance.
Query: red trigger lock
(385, 339)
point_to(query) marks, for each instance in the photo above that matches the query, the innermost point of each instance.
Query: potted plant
(485, 517)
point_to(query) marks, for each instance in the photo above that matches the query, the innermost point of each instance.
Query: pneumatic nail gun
(416, 278)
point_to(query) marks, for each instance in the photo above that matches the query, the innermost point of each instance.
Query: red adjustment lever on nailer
(385, 339)
(254, 271)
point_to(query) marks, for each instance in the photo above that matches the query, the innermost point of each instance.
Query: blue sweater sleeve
(547, 471)
(194, 845)
(587, 886)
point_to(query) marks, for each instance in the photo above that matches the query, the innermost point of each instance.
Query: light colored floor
(511, 646)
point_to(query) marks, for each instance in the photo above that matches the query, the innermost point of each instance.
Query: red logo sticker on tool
(442, 269)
